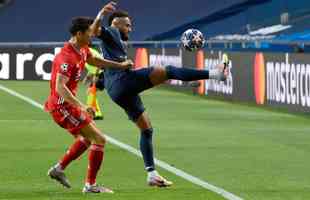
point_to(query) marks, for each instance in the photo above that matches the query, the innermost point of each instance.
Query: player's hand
(88, 79)
(127, 64)
(89, 110)
(108, 8)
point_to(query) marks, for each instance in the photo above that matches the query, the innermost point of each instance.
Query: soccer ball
(192, 39)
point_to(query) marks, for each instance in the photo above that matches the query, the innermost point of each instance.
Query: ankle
(59, 167)
(153, 173)
(87, 184)
(215, 74)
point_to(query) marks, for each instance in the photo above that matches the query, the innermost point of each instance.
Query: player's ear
(80, 33)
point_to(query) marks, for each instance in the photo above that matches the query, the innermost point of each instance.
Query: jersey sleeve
(65, 68)
(105, 35)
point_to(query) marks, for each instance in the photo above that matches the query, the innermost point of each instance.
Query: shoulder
(112, 29)
(66, 54)
(108, 29)
(108, 33)
(66, 57)
(115, 33)
(64, 62)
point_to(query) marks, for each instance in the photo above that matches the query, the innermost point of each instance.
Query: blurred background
(33, 20)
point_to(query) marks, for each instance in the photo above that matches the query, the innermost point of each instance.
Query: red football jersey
(69, 62)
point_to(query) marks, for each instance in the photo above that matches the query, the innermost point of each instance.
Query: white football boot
(57, 174)
(154, 179)
(96, 189)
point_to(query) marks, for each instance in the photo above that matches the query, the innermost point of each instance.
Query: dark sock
(186, 74)
(146, 148)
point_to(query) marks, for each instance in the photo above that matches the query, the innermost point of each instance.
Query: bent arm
(94, 28)
(108, 8)
(64, 92)
(104, 63)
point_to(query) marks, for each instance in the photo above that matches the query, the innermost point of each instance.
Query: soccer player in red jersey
(69, 113)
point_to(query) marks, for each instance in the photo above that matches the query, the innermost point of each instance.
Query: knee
(143, 122)
(160, 71)
(100, 139)
(158, 75)
(85, 141)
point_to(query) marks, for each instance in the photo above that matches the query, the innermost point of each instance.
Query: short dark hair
(80, 24)
(119, 13)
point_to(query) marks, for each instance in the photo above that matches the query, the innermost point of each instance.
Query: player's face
(125, 27)
(84, 37)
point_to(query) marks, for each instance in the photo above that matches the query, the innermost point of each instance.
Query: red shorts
(71, 118)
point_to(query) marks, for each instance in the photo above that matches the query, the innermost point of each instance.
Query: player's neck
(75, 44)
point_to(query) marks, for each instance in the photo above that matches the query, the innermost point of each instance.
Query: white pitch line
(162, 164)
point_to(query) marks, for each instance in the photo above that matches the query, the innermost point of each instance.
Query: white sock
(153, 173)
(58, 167)
(215, 74)
(88, 184)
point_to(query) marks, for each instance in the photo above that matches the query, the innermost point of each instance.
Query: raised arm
(109, 8)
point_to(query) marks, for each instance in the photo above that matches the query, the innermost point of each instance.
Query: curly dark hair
(80, 24)
(116, 14)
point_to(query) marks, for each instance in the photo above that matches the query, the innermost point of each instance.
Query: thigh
(137, 81)
(131, 83)
(132, 105)
(71, 118)
(93, 134)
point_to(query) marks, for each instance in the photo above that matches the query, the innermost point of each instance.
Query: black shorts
(125, 91)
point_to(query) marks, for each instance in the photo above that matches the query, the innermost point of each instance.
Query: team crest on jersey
(64, 67)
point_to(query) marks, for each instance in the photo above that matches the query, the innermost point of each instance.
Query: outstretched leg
(161, 74)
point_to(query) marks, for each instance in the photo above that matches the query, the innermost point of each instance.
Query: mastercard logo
(259, 78)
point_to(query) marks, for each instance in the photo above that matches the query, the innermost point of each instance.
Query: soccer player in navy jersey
(124, 86)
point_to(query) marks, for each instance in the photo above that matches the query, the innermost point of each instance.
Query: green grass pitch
(254, 153)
